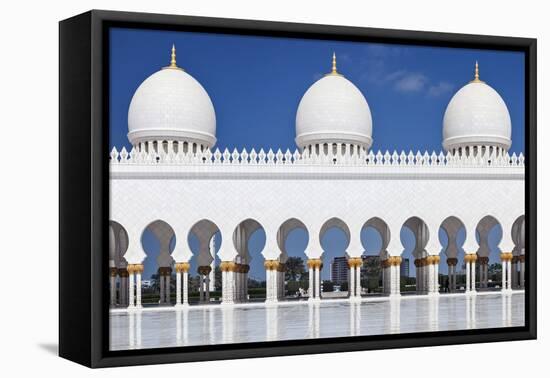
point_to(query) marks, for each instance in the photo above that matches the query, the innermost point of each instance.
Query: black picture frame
(84, 188)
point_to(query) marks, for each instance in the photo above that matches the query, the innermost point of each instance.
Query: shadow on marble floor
(51, 348)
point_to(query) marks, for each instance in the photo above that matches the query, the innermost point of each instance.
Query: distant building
(404, 269)
(339, 270)
(146, 284)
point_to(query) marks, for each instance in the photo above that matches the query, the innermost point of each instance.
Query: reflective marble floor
(215, 324)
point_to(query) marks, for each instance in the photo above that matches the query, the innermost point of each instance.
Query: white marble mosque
(174, 182)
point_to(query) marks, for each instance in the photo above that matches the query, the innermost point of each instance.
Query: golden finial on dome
(334, 71)
(173, 59)
(476, 75)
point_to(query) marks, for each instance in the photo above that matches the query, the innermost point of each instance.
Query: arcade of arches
(126, 279)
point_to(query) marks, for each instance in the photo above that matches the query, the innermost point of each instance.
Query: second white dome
(170, 105)
(333, 110)
(476, 116)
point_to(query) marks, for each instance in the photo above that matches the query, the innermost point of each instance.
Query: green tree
(295, 269)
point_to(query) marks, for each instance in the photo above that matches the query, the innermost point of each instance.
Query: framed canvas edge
(99, 206)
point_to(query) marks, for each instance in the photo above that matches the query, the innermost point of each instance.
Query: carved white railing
(362, 158)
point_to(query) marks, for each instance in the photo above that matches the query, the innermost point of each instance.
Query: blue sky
(256, 83)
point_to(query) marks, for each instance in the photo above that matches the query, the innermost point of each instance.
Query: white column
(131, 297)
(138, 287)
(124, 289)
(391, 289)
(482, 275)
(436, 277)
(383, 279)
(178, 287)
(112, 288)
(162, 283)
(228, 283)
(509, 275)
(430, 274)
(167, 287)
(185, 287)
(506, 275)
(358, 282)
(201, 287)
(317, 283)
(271, 280)
(473, 276)
(468, 279)
(522, 273)
(351, 283)
(398, 279)
(237, 285)
(311, 288)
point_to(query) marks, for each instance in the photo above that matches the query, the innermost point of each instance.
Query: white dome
(333, 110)
(171, 105)
(477, 116)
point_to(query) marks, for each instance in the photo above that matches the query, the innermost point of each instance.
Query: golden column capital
(135, 268)
(314, 263)
(355, 262)
(394, 260)
(452, 261)
(227, 266)
(113, 272)
(123, 272)
(432, 260)
(506, 256)
(204, 270)
(521, 258)
(483, 260)
(470, 257)
(182, 267)
(271, 264)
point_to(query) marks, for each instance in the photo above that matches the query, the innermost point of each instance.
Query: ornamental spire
(334, 71)
(476, 75)
(173, 63)
(173, 60)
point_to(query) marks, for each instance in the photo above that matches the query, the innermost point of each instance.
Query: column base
(227, 303)
(433, 294)
(506, 291)
(395, 296)
(471, 292)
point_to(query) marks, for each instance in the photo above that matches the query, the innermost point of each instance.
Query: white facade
(185, 186)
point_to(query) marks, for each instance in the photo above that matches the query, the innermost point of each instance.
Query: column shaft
(162, 283)
(131, 297)
(522, 274)
(509, 275)
(358, 282)
(185, 287)
(178, 288)
(167, 288)
(112, 289)
(317, 283)
(468, 279)
(351, 282)
(473, 276)
(310, 289)
(138, 289)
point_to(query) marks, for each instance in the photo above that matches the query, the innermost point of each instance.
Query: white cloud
(410, 82)
(439, 89)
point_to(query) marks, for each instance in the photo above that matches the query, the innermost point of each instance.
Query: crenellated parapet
(339, 156)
